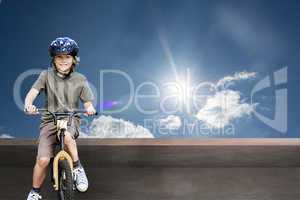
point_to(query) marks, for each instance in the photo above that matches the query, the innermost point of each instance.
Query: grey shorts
(48, 138)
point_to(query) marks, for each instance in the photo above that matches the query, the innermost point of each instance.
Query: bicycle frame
(62, 157)
(62, 154)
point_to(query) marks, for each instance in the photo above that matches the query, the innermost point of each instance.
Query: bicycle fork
(61, 155)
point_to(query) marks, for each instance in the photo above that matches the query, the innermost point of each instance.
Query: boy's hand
(90, 110)
(30, 109)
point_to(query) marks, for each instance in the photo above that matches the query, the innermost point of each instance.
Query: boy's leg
(71, 146)
(45, 152)
(47, 142)
(80, 177)
(39, 171)
(71, 134)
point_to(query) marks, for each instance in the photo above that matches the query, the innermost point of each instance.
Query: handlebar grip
(26, 111)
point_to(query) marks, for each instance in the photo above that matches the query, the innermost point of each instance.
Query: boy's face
(63, 63)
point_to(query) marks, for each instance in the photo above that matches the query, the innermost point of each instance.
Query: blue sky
(157, 42)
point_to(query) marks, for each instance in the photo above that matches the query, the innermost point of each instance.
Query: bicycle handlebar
(68, 114)
(64, 113)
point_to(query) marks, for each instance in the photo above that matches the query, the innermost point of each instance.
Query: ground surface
(147, 169)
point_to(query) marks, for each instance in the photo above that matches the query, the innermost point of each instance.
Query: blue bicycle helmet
(63, 45)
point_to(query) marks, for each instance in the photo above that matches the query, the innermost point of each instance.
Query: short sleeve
(40, 83)
(86, 92)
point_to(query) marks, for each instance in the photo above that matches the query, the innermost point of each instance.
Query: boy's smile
(63, 63)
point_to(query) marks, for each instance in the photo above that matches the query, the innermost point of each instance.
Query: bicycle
(62, 166)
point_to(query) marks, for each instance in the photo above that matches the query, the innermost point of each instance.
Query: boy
(63, 88)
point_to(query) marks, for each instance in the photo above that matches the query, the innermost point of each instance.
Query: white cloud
(225, 105)
(229, 80)
(109, 127)
(6, 136)
(171, 122)
(222, 108)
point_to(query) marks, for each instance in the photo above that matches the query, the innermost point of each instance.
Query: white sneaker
(81, 181)
(34, 196)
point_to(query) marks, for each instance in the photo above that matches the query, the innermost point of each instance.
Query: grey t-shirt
(62, 93)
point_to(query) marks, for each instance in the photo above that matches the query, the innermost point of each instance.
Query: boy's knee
(43, 161)
(68, 139)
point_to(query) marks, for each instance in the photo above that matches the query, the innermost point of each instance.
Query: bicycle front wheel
(65, 178)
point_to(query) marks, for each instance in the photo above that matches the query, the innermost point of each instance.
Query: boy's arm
(38, 86)
(89, 108)
(87, 97)
(30, 97)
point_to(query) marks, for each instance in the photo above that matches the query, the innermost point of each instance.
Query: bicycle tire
(65, 181)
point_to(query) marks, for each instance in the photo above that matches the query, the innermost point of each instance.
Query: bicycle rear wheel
(65, 179)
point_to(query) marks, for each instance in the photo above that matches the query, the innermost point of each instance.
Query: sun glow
(182, 89)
